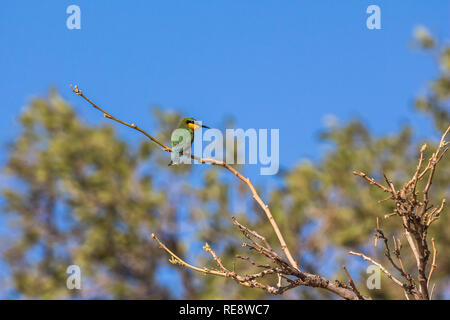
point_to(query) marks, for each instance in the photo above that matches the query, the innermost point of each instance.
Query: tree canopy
(80, 194)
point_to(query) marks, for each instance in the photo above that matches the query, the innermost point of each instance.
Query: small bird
(183, 137)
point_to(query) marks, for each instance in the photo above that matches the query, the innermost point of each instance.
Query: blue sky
(268, 64)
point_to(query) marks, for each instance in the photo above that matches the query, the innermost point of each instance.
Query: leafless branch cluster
(416, 216)
(288, 276)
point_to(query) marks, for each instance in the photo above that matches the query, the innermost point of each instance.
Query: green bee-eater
(183, 137)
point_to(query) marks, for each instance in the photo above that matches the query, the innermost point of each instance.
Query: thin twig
(352, 284)
(372, 181)
(388, 274)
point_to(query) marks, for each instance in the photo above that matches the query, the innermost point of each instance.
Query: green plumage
(184, 124)
(180, 139)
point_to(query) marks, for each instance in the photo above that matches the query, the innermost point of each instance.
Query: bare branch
(352, 284)
(372, 181)
(417, 216)
(213, 162)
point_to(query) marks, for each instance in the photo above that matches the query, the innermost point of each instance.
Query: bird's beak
(196, 126)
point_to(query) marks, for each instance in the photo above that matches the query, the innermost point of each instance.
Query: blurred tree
(78, 194)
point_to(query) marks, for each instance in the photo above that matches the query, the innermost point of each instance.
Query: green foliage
(79, 194)
(436, 101)
(77, 199)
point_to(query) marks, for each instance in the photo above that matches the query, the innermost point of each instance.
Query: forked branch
(246, 180)
(416, 215)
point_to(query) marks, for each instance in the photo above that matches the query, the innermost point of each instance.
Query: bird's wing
(180, 144)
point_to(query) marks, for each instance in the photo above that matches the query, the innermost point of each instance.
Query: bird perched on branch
(183, 137)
